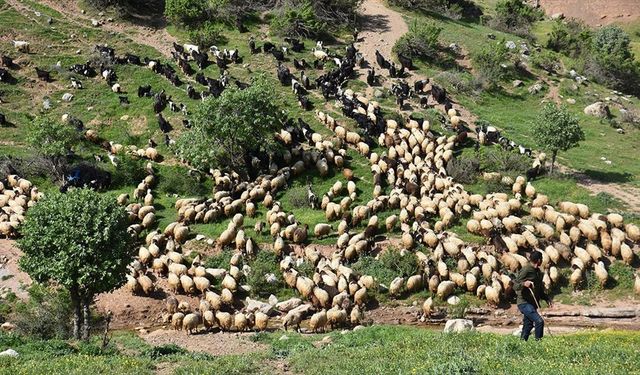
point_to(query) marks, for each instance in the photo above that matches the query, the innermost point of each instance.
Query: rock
(78, 51)
(210, 242)
(458, 325)
(100, 14)
(378, 93)
(254, 305)
(620, 131)
(597, 109)
(453, 300)
(95, 22)
(327, 340)
(491, 36)
(67, 97)
(6, 326)
(510, 44)
(571, 101)
(517, 332)
(357, 328)
(46, 104)
(200, 237)
(270, 278)
(9, 353)
(557, 16)
(517, 83)
(288, 305)
(454, 48)
(273, 300)
(283, 338)
(535, 88)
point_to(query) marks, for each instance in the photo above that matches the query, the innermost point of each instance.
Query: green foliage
(175, 180)
(206, 35)
(220, 260)
(389, 265)
(225, 129)
(463, 169)
(420, 42)
(265, 262)
(571, 38)
(130, 171)
(297, 197)
(455, 9)
(185, 11)
(51, 138)
(515, 16)
(78, 240)
(557, 130)
(488, 64)
(497, 159)
(46, 314)
(611, 61)
(156, 352)
(458, 311)
(298, 20)
(546, 60)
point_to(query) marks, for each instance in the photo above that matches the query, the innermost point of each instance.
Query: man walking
(529, 289)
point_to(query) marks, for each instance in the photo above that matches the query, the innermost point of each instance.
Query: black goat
(279, 55)
(304, 102)
(371, 77)
(268, 47)
(7, 61)
(124, 100)
(405, 61)
(439, 93)
(144, 91)
(382, 62)
(164, 125)
(419, 86)
(43, 75)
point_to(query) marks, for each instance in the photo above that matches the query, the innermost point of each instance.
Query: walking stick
(538, 305)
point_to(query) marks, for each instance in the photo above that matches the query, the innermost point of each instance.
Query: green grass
(409, 350)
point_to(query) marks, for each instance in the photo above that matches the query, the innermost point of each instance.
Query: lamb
(22, 46)
(177, 320)
(318, 321)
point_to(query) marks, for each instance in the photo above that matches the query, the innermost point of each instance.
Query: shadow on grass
(616, 177)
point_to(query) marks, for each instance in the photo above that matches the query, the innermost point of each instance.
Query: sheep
(601, 273)
(445, 288)
(225, 320)
(187, 284)
(336, 317)
(356, 316)
(146, 284)
(414, 283)
(293, 318)
(202, 283)
(322, 230)
(22, 46)
(318, 321)
(396, 286)
(261, 321)
(636, 284)
(177, 320)
(191, 321)
(240, 322)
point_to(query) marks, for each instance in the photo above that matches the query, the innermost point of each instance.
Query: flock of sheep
(410, 181)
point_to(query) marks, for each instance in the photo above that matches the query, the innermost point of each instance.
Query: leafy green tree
(557, 130)
(185, 11)
(78, 241)
(611, 60)
(226, 129)
(571, 38)
(52, 140)
(515, 16)
(488, 64)
(420, 42)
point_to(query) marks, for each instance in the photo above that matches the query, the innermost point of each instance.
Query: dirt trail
(381, 27)
(157, 38)
(627, 194)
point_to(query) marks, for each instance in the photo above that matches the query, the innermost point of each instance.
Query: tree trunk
(86, 314)
(553, 160)
(77, 313)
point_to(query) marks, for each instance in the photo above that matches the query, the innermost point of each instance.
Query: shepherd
(529, 289)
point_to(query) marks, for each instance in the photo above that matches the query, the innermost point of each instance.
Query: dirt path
(157, 38)
(627, 194)
(10, 275)
(214, 344)
(381, 27)
(595, 12)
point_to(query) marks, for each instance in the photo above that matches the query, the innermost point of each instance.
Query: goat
(384, 64)
(419, 86)
(43, 75)
(371, 77)
(76, 84)
(144, 91)
(312, 198)
(164, 125)
(405, 61)
(124, 100)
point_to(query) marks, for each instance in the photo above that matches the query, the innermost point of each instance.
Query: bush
(45, 315)
(297, 20)
(206, 35)
(515, 16)
(175, 180)
(504, 161)
(185, 11)
(463, 170)
(420, 42)
(459, 82)
(546, 60)
(455, 9)
(157, 352)
(130, 171)
(297, 197)
(488, 64)
(571, 38)
(266, 262)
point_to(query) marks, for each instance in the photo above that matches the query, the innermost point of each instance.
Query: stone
(200, 237)
(517, 83)
(67, 97)
(510, 44)
(535, 88)
(571, 101)
(46, 104)
(458, 325)
(378, 93)
(283, 338)
(254, 305)
(453, 300)
(357, 328)
(9, 353)
(557, 16)
(95, 22)
(124, 118)
(273, 300)
(517, 332)
(327, 340)
(270, 278)
(454, 48)
(6, 326)
(210, 241)
(288, 305)
(597, 109)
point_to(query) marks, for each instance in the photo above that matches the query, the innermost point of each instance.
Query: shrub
(455, 9)
(297, 20)
(266, 262)
(463, 170)
(420, 42)
(515, 16)
(157, 352)
(459, 82)
(297, 197)
(220, 260)
(206, 35)
(130, 171)
(45, 315)
(504, 161)
(185, 11)
(571, 38)
(546, 60)
(175, 180)
(488, 64)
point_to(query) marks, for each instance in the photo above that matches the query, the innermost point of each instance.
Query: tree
(185, 11)
(557, 130)
(227, 129)
(78, 241)
(611, 60)
(52, 140)
(420, 42)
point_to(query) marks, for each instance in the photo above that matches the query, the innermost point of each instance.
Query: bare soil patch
(595, 12)
(10, 275)
(211, 343)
